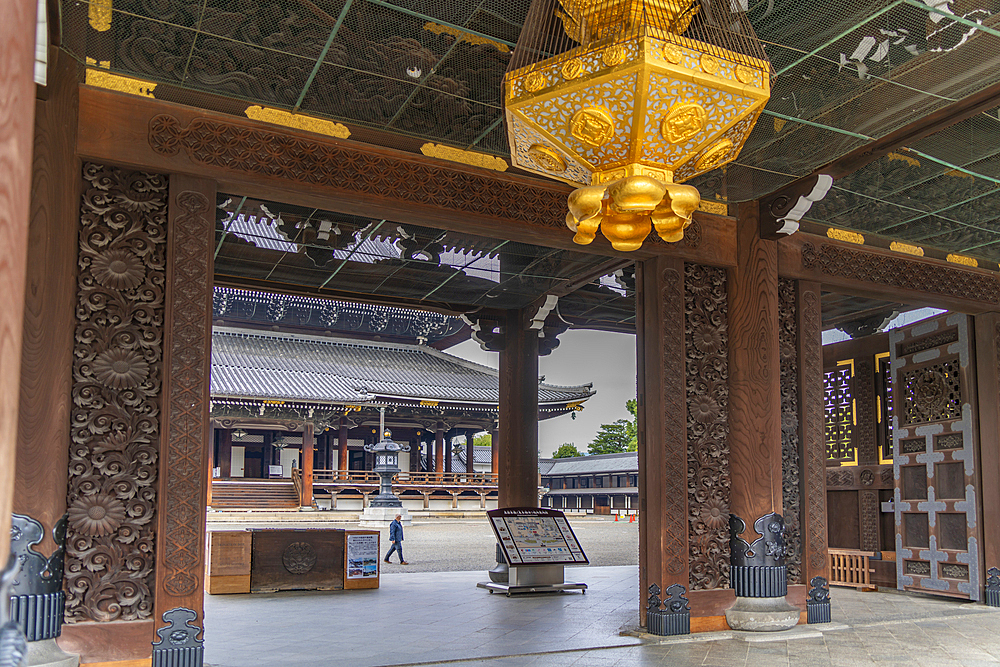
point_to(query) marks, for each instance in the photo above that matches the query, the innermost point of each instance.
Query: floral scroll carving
(706, 350)
(675, 529)
(282, 155)
(814, 449)
(117, 375)
(182, 501)
(790, 460)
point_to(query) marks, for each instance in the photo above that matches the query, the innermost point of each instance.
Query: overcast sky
(605, 359)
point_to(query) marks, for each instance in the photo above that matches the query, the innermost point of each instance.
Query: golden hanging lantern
(631, 111)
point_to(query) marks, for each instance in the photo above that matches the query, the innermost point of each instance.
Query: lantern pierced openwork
(628, 99)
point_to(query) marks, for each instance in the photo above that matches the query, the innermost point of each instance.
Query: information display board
(536, 536)
(362, 556)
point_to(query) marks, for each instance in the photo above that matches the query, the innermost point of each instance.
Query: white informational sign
(536, 536)
(362, 556)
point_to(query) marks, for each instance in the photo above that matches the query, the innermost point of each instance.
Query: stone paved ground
(455, 545)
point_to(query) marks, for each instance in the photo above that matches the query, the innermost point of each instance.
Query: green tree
(483, 439)
(567, 450)
(619, 436)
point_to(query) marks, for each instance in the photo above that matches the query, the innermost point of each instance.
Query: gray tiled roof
(252, 364)
(623, 462)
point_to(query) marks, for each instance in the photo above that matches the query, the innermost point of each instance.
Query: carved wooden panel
(187, 337)
(870, 513)
(790, 459)
(901, 272)
(865, 435)
(931, 393)
(117, 375)
(707, 354)
(283, 155)
(815, 536)
(675, 531)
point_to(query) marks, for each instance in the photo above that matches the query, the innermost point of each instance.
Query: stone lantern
(384, 507)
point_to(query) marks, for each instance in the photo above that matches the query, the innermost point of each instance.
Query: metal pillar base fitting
(179, 645)
(499, 573)
(818, 604)
(675, 616)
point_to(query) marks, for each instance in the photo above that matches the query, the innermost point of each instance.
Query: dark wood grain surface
(754, 375)
(17, 112)
(518, 470)
(47, 352)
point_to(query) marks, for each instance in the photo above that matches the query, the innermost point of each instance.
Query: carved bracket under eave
(781, 212)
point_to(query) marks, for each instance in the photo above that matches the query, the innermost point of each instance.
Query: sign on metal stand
(537, 544)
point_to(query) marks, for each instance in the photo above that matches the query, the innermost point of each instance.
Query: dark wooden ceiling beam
(250, 158)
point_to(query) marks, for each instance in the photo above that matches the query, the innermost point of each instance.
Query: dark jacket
(395, 531)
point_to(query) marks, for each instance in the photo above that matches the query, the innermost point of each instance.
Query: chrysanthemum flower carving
(120, 369)
(118, 269)
(96, 515)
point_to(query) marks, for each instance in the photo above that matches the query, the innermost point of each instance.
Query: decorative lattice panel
(839, 413)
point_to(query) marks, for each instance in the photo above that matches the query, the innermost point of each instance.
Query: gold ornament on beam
(639, 96)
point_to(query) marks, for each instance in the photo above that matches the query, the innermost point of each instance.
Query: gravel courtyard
(452, 545)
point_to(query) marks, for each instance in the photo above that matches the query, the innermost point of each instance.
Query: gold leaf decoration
(844, 235)
(463, 36)
(962, 259)
(906, 248)
(122, 84)
(297, 121)
(465, 157)
(99, 15)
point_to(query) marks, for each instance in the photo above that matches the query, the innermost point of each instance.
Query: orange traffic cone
(631, 518)
(616, 517)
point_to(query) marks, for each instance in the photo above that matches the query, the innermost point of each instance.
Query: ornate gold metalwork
(548, 158)
(572, 69)
(844, 235)
(715, 155)
(97, 76)
(99, 14)
(297, 121)
(716, 207)
(709, 64)
(466, 157)
(906, 248)
(962, 259)
(628, 119)
(462, 36)
(592, 126)
(683, 122)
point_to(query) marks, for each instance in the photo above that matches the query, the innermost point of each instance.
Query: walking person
(396, 537)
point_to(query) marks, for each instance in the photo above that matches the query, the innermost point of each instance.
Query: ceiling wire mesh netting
(846, 72)
(345, 254)
(942, 192)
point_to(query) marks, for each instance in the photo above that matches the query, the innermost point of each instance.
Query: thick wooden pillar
(187, 343)
(448, 453)
(662, 426)
(518, 469)
(308, 455)
(470, 452)
(815, 540)
(225, 453)
(439, 448)
(17, 89)
(494, 450)
(754, 406)
(342, 456)
(47, 353)
(988, 378)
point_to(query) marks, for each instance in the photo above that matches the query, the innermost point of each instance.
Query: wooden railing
(297, 481)
(850, 567)
(405, 478)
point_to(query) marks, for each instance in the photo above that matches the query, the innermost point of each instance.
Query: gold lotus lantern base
(631, 112)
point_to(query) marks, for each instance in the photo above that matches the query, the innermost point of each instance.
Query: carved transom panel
(117, 376)
(932, 393)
